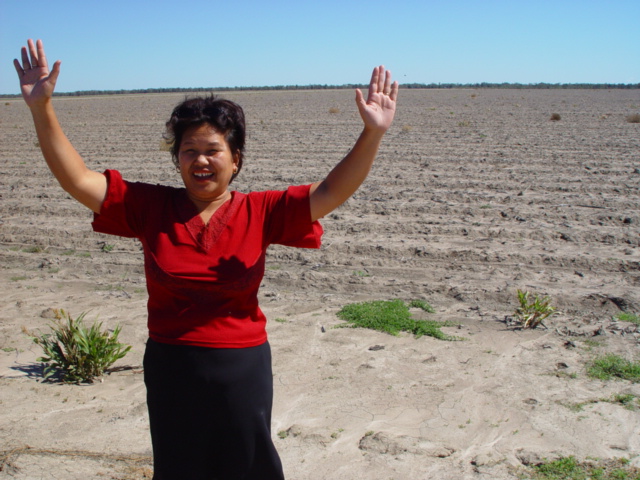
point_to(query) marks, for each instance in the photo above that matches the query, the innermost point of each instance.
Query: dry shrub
(635, 118)
(334, 110)
(406, 128)
(555, 117)
(165, 146)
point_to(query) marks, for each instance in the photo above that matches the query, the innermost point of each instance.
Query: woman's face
(206, 164)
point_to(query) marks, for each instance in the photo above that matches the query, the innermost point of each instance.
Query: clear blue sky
(130, 44)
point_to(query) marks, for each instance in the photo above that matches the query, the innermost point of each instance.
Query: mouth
(203, 175)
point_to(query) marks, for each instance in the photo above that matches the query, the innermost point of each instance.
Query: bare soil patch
(475, 194)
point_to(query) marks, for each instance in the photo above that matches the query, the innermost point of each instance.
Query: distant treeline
(539, 86)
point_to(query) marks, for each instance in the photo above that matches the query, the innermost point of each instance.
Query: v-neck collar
(206, 235)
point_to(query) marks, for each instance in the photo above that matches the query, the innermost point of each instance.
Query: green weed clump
(393, 317)
(568, 468)
(76, 353)
(611, 366)
(628, 317)
(532, 313)
(627, 400)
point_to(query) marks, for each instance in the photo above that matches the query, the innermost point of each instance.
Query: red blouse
(202, 279)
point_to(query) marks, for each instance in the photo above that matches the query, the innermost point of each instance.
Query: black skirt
(210, 412)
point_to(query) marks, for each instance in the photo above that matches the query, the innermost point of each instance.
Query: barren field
(475, 194)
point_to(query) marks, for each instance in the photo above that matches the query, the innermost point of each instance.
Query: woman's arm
(37, 84)
(377, 113)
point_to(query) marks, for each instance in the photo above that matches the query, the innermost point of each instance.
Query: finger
(373, 84)
(381, 77)
(394, 91)
(33, 53)
(25, 59)
(360, 102)
(387, 82)
(55, 71)
(42, 58)
(19, 69)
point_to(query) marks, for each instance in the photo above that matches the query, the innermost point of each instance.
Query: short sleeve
(114, 217)
(289, 220)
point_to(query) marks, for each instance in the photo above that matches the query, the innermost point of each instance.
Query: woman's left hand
(378, 110)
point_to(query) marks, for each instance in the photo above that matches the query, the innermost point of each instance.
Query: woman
(207, 361)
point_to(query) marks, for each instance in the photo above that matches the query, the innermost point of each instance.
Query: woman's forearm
(347, 176)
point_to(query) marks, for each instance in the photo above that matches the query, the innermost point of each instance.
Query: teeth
(203, 175)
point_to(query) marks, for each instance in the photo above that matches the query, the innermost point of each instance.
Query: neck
(209, 206)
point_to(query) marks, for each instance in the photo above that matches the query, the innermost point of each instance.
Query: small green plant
(532, 313)
(393, 317)
(578, 406)
(568, 468)
(106, 247)
(33, 249)
(590, 343)
(628, 317)
(361, 273)
(611, 366)
(421, 304)
(627, 400)
(76, 353)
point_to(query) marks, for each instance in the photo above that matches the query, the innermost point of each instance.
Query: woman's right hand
(36, 81)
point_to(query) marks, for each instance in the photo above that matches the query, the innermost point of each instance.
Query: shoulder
(296, 192)
(117, 183)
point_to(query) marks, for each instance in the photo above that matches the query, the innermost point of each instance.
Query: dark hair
(224, 116)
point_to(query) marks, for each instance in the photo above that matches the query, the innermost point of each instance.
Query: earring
(177, 169)
(235, 170)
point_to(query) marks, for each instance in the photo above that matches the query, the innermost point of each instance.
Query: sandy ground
(476, 194)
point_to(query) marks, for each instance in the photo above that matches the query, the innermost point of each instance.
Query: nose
(201, 158)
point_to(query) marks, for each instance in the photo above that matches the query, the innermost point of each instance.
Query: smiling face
(206, 165)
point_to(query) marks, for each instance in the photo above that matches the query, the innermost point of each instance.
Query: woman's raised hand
(36, 81)
(378, 110)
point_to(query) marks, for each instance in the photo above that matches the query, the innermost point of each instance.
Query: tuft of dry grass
(165, 146)
(406, 128)
(334, 110)
(635, 118)
(555, 117)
